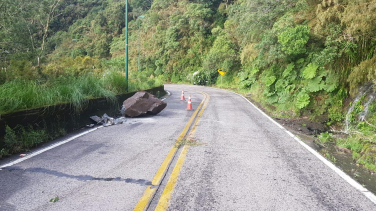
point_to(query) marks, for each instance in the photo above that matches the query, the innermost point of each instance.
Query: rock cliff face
(142, 103)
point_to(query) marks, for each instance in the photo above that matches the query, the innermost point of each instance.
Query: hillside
(60, 52)
(298, 58)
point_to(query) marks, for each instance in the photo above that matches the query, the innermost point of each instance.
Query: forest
(297, 58)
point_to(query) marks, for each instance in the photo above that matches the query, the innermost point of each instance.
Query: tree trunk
(46, 26)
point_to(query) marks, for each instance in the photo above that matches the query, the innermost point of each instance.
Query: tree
(141, 4)
(45, 15)
(29, 22)
(221, 55)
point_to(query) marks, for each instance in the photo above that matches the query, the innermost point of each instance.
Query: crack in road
(84, 178)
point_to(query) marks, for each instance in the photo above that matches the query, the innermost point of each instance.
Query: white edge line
(342, 174)
(47, 148)
(54, 145)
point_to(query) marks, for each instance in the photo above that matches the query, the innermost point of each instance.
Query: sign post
(221, 73)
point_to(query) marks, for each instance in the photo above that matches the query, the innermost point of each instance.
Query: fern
(270, 80)
(254, 71)
(280, 85)
(300, 61)
(243, 75)
(273, 98)
(302, 100)
(290, 88)
(310, 71)
(315, 85)
(247, 83)
(288, 70)
(284, 97)
(331, 83)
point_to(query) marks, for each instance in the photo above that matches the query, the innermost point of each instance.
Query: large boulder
(142, 103)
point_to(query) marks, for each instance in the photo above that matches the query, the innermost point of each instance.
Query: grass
(352, 143)
(363, 149)
(19, 95)
(325, 137)
(21, 139)
(22, 94)
(362, 143)
(330, 157)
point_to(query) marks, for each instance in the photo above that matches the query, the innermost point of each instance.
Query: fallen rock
(107, 120)
(142, 103)
(91, 125)
(96, 119)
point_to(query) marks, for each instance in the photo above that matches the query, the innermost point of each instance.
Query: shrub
(294, 40)
(302, 100)
(326, 137)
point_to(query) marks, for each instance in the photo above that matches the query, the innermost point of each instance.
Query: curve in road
(241, 160)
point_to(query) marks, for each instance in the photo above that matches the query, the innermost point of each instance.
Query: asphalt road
(235, 159)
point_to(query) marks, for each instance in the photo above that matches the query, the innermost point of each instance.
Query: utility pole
(126, 43)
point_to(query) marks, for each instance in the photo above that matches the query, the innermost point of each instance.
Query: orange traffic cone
(182, 96)
(189, 105)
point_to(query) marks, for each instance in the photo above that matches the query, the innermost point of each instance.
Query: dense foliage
(298, 57)
(55, 51)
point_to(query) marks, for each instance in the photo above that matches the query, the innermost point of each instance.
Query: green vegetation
(363, 149)
(302, 57)
(296, 57)
(55, 51)
(330, 157)
(362, 141)
(53, 200)
(22, 138)
(325, 137)
(25, 94)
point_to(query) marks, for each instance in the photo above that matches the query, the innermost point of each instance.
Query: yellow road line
(164, 201)
(193, 130)
(191, 120)
(166, 195)
(145, 199)
(150, 190)
(158, 176)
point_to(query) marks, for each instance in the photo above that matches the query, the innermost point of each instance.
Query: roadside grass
(363, 148)
(24, 94)
(22, 139)
(326, 137)
(20, 94)
(361, 141)
(330, 157)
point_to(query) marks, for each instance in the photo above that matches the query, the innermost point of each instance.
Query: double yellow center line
(166, 194)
